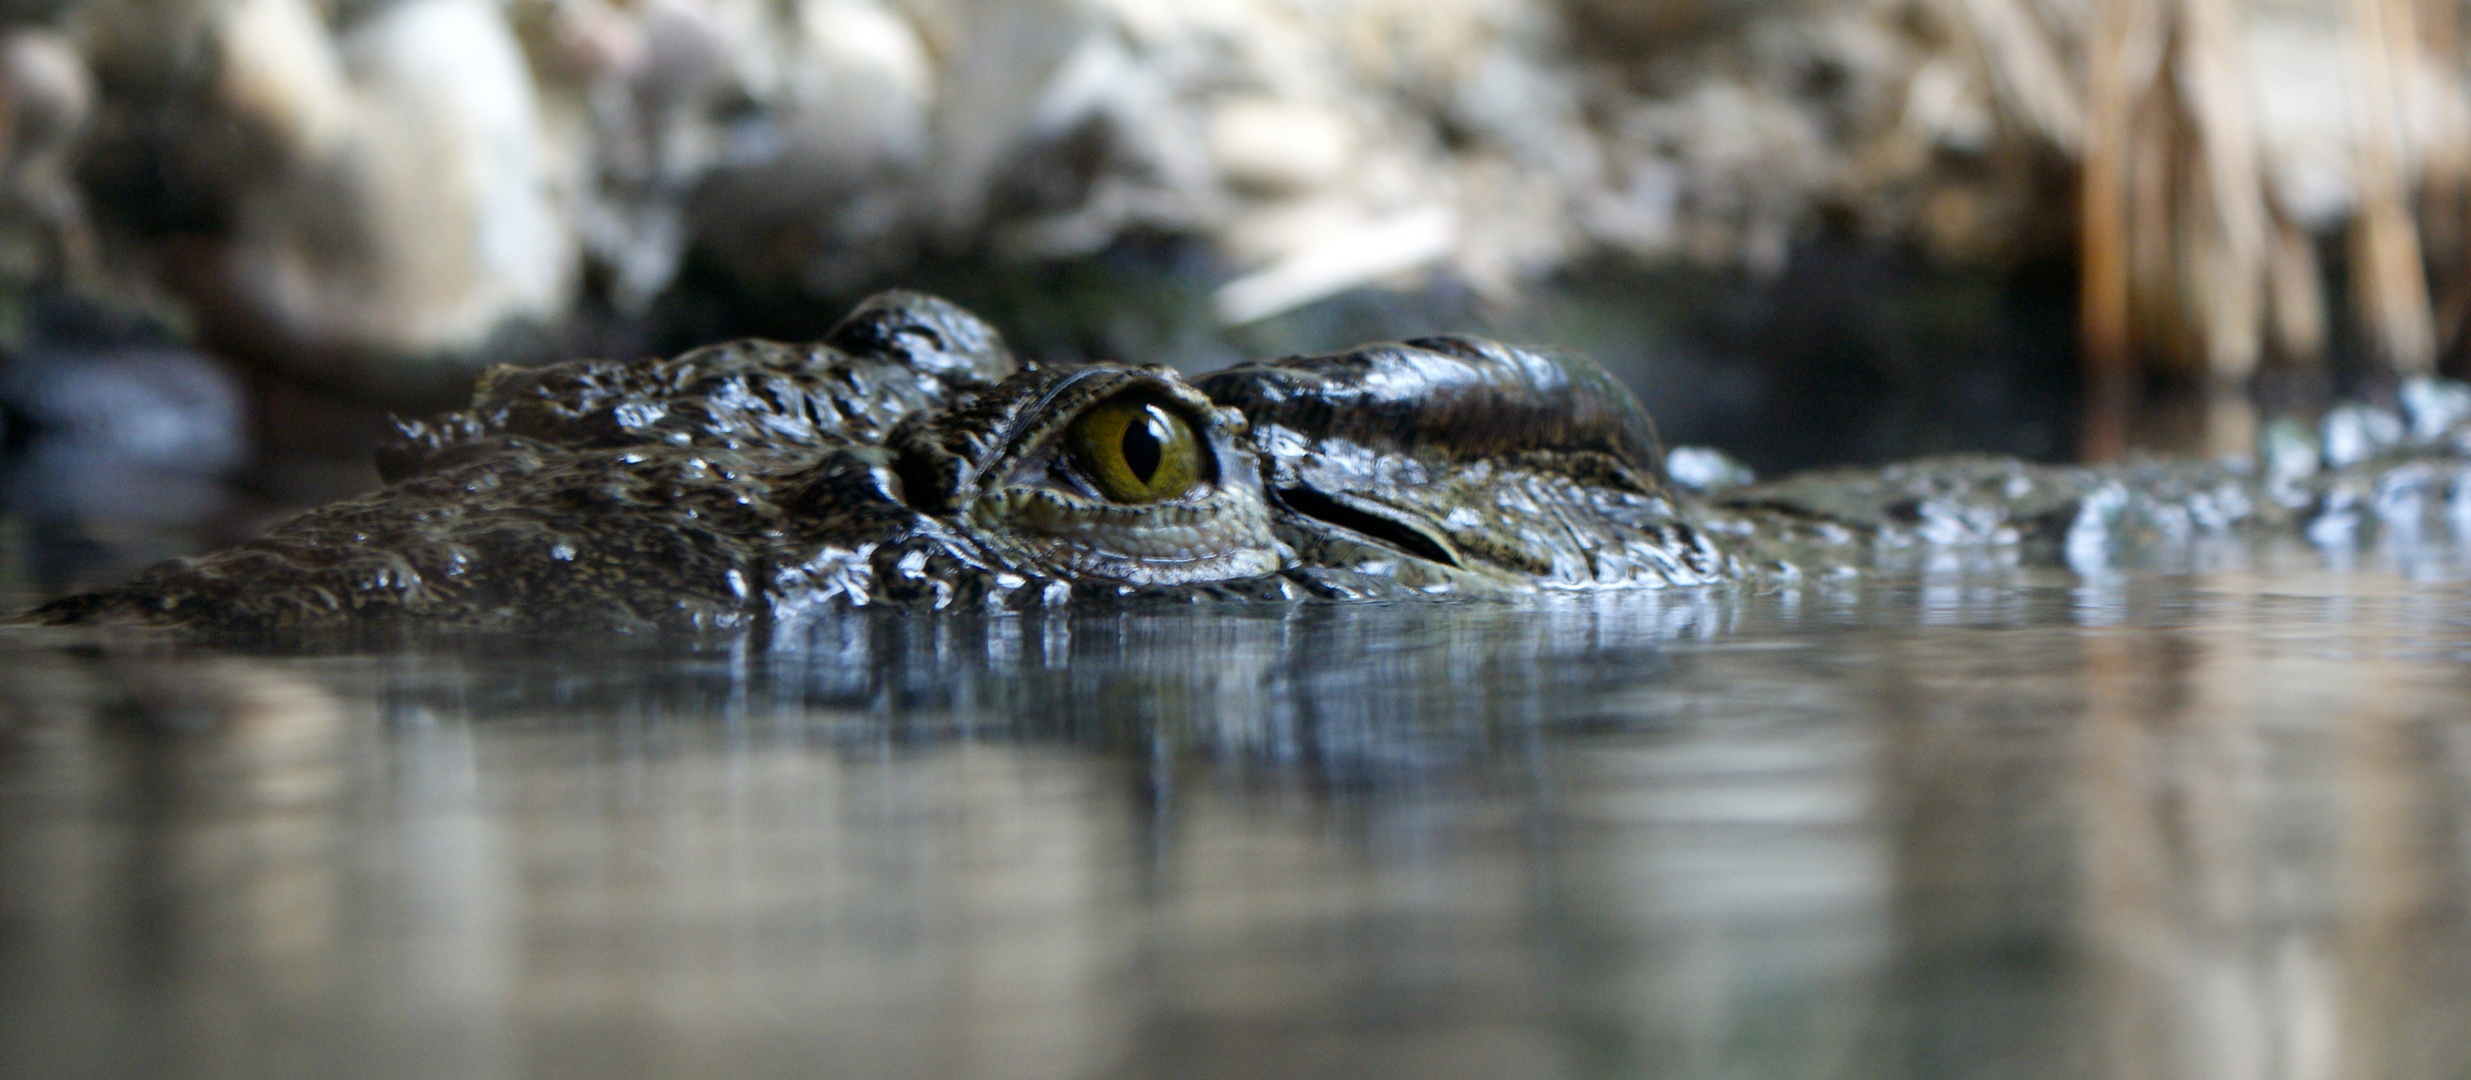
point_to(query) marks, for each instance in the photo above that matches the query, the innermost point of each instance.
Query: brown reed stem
(2393, 283)
(2103, 233)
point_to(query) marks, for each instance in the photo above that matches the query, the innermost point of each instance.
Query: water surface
(1966, 820)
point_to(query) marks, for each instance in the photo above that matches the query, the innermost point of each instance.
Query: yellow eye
(1135, 449)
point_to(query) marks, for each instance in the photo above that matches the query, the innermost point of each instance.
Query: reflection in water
(1990, 822)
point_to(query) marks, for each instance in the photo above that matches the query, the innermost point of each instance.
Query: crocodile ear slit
(927, 479)
(1382, 528)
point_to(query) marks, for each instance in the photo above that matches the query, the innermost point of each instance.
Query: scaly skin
(910, 459)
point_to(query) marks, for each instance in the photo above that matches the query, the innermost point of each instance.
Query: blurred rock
(114, 447)
(1277, 147)
(397, 178)
(46, 100)
(131, 435)
(364, 191)
(403, 210)
(822, 192)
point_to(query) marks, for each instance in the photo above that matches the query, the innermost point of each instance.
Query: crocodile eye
(1135, 448)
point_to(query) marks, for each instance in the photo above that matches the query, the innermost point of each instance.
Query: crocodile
(910, 459)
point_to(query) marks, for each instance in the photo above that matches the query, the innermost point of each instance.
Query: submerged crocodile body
(910, 459)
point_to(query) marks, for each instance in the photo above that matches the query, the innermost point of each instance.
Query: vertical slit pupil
(1142, 447)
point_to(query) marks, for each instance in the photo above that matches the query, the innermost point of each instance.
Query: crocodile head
(910, 458)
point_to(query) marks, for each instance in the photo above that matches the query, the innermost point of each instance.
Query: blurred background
(236, 234)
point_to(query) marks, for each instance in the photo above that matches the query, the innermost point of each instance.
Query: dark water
(1974, 821)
